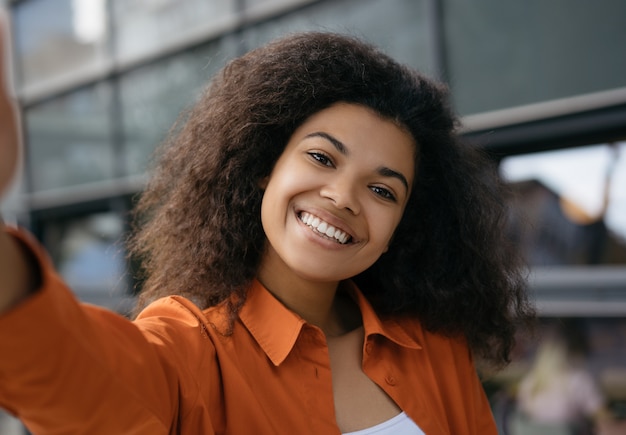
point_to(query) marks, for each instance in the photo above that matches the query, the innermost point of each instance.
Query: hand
(16, 267)
(9, 139)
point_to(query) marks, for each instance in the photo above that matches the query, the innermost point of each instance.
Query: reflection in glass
(409, 42)
(87, 253)
(153, 96)
(53, 38)
(69, 139)
(145, 26)
(503, 54)
(570, 205)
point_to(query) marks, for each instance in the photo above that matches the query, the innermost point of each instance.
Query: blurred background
(539, 84)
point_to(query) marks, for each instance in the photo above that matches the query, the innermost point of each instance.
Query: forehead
(363, 130)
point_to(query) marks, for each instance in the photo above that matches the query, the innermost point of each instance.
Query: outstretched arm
(8, 121)
(18, 276)
(17, 272)
(71, 368)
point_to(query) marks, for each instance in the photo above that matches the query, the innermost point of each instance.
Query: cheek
(269, 218)
(279, 190)
(269, 203)
(284, 184)
(391, 230)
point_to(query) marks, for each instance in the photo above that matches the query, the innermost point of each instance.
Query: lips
(324, 228)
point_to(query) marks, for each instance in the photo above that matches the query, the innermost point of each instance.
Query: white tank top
(401, 424)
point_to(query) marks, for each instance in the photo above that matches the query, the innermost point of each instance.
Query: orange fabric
(68, 368)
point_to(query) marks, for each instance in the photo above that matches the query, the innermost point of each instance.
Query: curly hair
(199, 231)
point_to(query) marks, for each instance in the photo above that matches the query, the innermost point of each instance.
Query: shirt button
(390, 380)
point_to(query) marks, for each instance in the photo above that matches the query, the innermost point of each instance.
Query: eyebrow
(383, 170)
(333, 140)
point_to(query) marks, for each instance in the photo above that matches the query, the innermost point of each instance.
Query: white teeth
(324, 227)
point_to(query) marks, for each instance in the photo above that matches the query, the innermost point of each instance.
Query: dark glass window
(503, 54)
(88, 253)
(153, 96)
(60, 37)
(69, 139)
(144, 27)
(400, 27)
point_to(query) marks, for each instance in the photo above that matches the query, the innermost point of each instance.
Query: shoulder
(176, 325)
(446, 357)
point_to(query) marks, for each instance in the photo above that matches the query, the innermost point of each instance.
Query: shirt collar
(396, 331)
(276, 328)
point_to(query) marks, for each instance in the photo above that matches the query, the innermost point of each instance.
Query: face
(335, 195)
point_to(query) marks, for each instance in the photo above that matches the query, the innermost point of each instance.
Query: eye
(383, 193)
(321, 158)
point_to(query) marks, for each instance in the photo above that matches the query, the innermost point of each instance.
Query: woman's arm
(8, 118)
(18, 276)
(66, 367)
(70, 368)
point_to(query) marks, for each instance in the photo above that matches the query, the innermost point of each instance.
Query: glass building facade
(540, 85)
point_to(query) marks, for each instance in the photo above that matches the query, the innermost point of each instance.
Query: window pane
(571, 205)
(400, 27)
(146, 26)
(153, 96)
(69, 139)
(53, 38)
(256, 4)
(88, 253)
(508, 53)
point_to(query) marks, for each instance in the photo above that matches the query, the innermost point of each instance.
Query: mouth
(325, 229)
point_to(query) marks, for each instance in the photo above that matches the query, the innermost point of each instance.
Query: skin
(15, 268)
(352, 169)
(8, 122)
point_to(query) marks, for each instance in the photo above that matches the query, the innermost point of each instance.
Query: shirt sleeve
(68, 368)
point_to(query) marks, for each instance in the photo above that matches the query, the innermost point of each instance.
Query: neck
(320, 303)
(324, 305)
(310, 300)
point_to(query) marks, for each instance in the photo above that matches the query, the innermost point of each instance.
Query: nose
(342, 193)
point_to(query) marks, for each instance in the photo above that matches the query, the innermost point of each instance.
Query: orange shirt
(69, 368)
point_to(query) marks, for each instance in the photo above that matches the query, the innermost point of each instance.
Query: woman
(321, 255)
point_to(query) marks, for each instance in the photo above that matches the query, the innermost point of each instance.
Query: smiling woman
(336, 173)
(321, 255)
